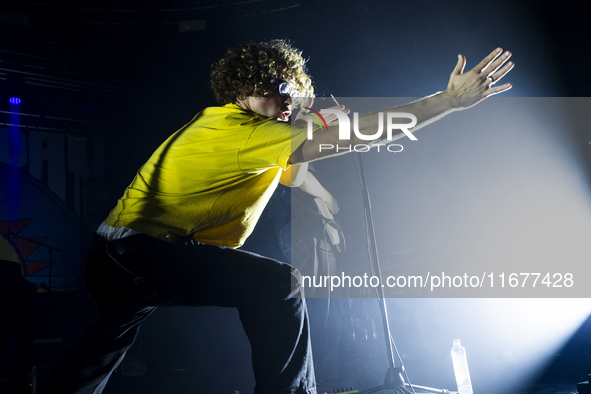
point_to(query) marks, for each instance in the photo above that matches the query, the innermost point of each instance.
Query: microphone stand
(396, 378)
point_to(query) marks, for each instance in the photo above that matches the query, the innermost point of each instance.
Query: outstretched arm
(464, 90)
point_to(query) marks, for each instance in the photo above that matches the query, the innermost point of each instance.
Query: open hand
(477, 84)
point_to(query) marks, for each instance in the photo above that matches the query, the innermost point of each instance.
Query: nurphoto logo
(344, 123)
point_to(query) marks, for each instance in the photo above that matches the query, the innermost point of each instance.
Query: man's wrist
(458, 103)
(450, 101)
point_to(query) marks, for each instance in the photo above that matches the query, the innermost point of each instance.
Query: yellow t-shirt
(212, 178)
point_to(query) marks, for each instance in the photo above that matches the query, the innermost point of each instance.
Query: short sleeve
(270, 144)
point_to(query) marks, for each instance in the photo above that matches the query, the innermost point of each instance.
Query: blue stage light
(14, 100)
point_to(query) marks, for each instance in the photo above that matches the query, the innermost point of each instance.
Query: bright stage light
(502, 189)
(14, 100)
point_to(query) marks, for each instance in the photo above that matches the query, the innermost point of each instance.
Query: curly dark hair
(255, 69)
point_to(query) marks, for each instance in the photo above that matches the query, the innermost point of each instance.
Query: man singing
(173, 237)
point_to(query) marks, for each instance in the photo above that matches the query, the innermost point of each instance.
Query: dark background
(129, 73)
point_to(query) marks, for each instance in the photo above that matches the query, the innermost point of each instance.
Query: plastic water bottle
(460, 362)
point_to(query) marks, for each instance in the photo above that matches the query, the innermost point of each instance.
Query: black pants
(130, 277)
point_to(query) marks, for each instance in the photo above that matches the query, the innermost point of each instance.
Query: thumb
(459, 69)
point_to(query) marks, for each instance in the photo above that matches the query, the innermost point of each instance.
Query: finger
(487, 60)
(330, 118)
(459, 69)
(494, 66)
(498, 89)
(333, 206)
(340, 107)
(502, 72)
